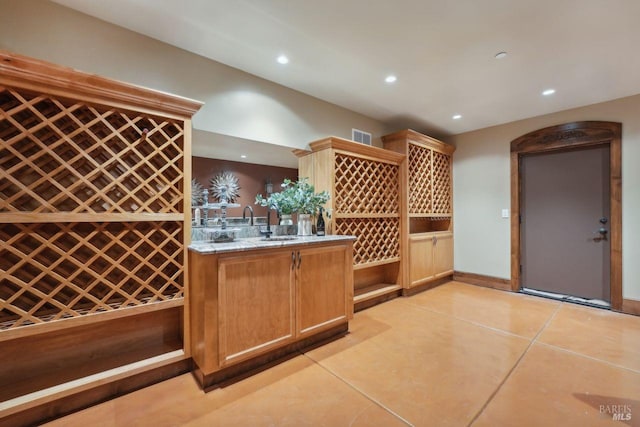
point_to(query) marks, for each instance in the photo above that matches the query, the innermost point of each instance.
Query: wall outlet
(505, 213)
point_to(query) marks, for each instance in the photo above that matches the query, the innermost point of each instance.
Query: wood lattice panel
(365, 186)
(68, 156)
(420, 179)
(377, 239)
(52, 271)
(441, 183)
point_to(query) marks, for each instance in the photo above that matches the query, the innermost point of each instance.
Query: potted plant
(299, 197)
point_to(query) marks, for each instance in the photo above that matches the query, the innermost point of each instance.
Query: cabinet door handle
(299, 260)
(435, 239)
(293, 260)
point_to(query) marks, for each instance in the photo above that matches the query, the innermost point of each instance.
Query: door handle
(602, 234)
(293, 260)
(299, 260)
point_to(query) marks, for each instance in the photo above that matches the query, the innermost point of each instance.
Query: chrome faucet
(244, 213)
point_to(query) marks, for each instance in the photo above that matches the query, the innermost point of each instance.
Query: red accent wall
(251, 178)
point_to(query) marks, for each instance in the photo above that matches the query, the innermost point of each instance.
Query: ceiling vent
(361, 136)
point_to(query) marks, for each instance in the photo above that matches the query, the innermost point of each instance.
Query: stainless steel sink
(278, 238)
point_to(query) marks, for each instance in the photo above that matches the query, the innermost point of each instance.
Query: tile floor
(456, 355)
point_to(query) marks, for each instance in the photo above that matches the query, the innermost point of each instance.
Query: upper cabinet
(366, 200)
(428, 211)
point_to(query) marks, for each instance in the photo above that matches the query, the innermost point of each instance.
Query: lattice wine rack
(366, 186)
(363, 186)
(377, 239)
(441, 183)
(420, 179)
(57, 271)
(429, 181)
(61, 156)
(92, 215)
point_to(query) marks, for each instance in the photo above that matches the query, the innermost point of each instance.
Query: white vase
(304, 225)
(286, 219)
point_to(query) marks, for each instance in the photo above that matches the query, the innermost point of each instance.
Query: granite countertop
(254, 243)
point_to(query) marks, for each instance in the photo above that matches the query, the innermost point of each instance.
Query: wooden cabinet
(428, 208)
(443, 254)
(94, 214)
(431, 256)
(364, 183)
(323, 299)
(256, 304)
(249, 307)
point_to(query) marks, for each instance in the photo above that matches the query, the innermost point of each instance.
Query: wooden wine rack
(364, 183)
(55, 271)
(427, 216)
(377, 239)
(365, 186)
(94, 216)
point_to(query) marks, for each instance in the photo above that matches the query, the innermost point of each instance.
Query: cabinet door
(322, 293)
(256, 304)
(421, 267)
(443, 254)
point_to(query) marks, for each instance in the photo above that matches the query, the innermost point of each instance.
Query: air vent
(361, 136)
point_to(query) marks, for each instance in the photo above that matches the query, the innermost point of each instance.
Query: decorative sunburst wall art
(196, 193)
(225, 180)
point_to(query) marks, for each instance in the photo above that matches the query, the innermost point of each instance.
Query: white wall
(481, 174)
(236, 103)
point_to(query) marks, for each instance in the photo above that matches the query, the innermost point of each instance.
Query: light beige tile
(598, 333)
(294, 393)
(515, 313)
(551, 387)
(433, 359)
(428, 368)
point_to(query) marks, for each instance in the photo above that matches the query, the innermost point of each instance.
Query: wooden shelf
(375, 291)
(117, 313)
(49, 394)
(37, 218)
(376, 263)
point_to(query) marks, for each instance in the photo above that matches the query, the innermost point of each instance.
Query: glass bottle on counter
(320, 224)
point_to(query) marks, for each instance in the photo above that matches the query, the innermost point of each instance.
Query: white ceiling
(441, 51)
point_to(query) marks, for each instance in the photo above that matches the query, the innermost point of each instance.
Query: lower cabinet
(248, 304)
(256, 304)
(323, 298)
(430, 257)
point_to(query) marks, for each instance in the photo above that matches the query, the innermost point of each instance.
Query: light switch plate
(505, 213)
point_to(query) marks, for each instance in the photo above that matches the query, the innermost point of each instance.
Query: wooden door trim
(569, 136)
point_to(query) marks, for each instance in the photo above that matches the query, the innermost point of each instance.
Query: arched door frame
(566, 137)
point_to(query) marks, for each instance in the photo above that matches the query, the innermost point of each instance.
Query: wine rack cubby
(429, 210)
(364, 183)
(94, 222)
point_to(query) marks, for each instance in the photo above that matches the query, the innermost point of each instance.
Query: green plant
(299, 196)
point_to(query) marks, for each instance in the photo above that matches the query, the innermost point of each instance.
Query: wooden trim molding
(351, 148)
(569, 136)
(482, 280)
(419, 139)
(33, 74)
(631, 306)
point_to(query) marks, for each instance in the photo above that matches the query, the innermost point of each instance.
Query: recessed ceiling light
(391, 79)
(500, 55)
(243, 156)
(456, 117)
(282, 59)
(548, 92)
